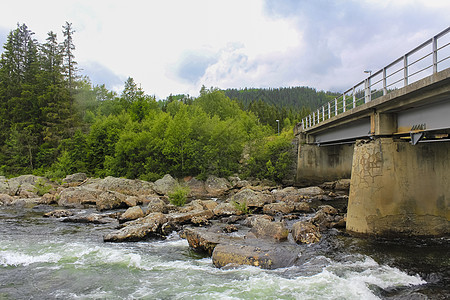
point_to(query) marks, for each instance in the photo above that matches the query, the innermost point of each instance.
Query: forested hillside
(53, 122)
(289, 105)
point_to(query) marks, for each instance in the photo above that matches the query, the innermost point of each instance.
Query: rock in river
(141, 229)
(265, 256)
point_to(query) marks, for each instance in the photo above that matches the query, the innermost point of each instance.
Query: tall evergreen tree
(70, 65)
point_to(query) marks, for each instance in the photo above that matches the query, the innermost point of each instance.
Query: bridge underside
(423, 106)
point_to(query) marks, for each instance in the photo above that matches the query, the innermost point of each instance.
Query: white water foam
(336, 281)
(10, 258)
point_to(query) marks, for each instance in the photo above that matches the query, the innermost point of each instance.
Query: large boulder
(278, 208)
(197, 188)
(131, 213)
(265, 256)
(6, 199)
(24, 186)
(156, 204)
(188, 217)
(311, 192)
(226, 209)
(263, 228)
(288, 194)
(74, 179)
(305, 232)
(111, 200)
(204, 240)
(124, 186)
(165, 185)
(89, 218)
(252, 198)
(138, 230)
(78, 197)
(216, 187)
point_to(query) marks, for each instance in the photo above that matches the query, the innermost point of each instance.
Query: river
(44, 258)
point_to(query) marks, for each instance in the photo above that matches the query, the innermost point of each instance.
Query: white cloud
(175, 46)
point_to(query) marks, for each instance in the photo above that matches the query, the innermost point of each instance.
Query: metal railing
(426, 59)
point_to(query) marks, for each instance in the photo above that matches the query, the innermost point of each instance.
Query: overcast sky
(176, 46)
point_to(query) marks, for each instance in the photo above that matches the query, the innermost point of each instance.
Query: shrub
(242, 207)
(41, 188)
(178, 196)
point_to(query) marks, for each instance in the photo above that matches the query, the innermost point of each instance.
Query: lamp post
(278, 123)
(369, 72)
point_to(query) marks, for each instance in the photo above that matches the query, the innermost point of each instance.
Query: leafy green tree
(271, 158)
(102, 139)
(214, 102)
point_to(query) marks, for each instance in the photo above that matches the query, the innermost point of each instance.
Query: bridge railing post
(354, 97)
(343, 103)
(335, 107)
(435, 56)
(323, 113)
(405, 70)
(384, 82)
(329, 110)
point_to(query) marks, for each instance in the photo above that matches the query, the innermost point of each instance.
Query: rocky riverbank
(234, 221)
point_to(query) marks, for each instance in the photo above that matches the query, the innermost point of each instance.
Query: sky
(176, 46)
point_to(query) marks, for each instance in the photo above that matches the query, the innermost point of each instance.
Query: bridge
(390, 134)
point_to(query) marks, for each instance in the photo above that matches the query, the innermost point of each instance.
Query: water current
(47, 259)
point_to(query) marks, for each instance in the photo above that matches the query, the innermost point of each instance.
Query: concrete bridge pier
(399, 189)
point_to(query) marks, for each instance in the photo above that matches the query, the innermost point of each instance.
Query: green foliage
(41, 187)
(271, 158)
(179, 196)
(55, 123)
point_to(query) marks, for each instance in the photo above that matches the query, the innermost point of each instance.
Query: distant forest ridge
(290, 98)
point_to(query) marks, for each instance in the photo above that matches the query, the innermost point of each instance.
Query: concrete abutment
(319, 164)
